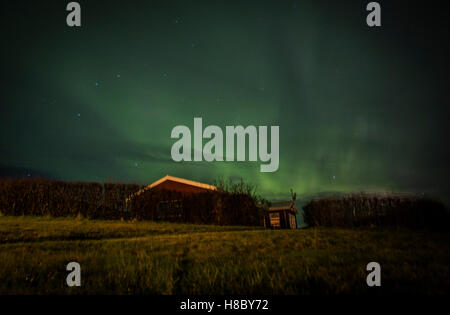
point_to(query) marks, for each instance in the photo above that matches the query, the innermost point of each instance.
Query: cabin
(171, 209)
(281, 215)
(177, 184)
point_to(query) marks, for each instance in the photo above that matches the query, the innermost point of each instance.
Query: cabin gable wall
(179, 187)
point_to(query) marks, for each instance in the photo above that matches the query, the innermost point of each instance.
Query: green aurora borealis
(358, 108)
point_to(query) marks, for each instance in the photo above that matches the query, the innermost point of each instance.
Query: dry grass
(162, 258)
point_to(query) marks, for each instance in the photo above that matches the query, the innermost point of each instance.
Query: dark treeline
(377, 210)
(231, 204)
(40, 197)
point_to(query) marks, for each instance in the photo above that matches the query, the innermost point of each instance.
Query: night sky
(359, 108)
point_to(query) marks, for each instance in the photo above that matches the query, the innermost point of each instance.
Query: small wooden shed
(281, 215)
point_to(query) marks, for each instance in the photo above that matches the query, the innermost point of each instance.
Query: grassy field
(162, 258)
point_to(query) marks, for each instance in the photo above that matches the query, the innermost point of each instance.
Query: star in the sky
(97, 84)
(118, 76)
(78, 115)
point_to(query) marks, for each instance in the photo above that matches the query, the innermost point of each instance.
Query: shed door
(275, 219)
(292, 222)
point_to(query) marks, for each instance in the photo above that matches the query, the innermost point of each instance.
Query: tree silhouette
(293, 195)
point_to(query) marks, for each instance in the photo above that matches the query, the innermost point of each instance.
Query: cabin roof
(283, 205)
(173, 179)
(182, 181)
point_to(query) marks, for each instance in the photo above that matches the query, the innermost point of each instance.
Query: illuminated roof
(173, 179)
